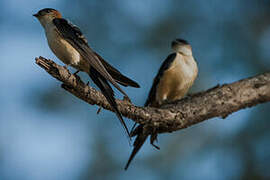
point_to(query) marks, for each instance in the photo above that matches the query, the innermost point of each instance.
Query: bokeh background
(46, 133)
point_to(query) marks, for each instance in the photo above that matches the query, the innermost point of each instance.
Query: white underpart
(177, 79)
(188, 66)
(189, 70)
(61, 48)
(184, 49)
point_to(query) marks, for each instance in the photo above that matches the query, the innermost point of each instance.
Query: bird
(69, 45)
(173, 80)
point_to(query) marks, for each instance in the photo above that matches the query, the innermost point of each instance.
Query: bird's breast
(61, 48)
(177, 79)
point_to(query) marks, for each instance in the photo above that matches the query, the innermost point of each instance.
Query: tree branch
(219, 101)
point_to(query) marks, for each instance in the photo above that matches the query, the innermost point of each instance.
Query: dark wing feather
(117, 76)
(165, 65)
(139, 141)
(74, 36)
(107, 91)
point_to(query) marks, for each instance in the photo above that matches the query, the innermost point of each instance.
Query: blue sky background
(46, 133)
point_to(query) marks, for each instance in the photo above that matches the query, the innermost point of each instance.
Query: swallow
(70, 46)
(173, 80)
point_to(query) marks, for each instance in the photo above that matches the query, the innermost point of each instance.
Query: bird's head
(181, 46)
(46, 15)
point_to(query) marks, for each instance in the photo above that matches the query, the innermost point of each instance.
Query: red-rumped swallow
(175, 76)
(70, 46)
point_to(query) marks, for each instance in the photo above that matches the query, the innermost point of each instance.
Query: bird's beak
(36, 15)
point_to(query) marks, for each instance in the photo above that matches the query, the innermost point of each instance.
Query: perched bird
(70, 46)
(175, 76)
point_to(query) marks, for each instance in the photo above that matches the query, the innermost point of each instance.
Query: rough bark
(219, 101)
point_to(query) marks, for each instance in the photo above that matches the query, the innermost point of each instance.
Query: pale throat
(46, 22)
(185, 50)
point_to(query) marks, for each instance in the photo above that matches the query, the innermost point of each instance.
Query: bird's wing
(74, 36)
(116, 75)
(165, 65)
(107, 91)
